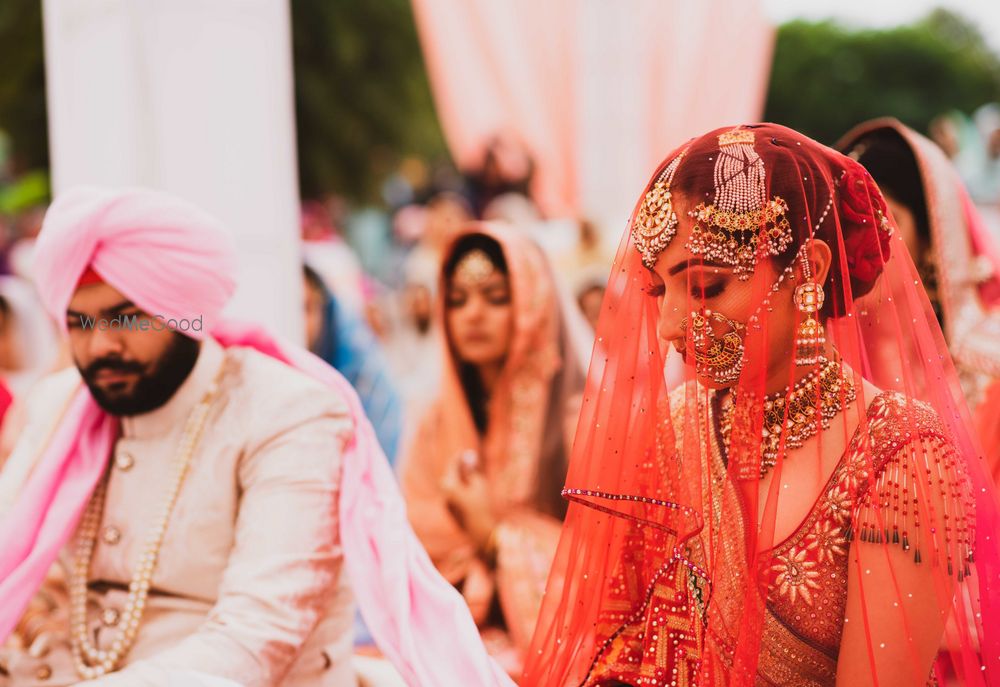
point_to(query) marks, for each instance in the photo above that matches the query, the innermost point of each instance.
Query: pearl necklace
(91, 662)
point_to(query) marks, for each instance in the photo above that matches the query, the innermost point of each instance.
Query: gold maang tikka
(741, 225)
(475, 267)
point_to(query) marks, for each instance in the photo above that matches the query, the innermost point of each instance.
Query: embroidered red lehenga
(753, 501)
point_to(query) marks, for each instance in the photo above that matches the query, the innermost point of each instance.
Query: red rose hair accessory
(866, 247)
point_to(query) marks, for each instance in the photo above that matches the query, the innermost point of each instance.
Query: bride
(788, 513)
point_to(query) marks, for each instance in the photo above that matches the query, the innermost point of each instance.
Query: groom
(215, 496)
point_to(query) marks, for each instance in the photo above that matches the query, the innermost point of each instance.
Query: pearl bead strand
(91, 662)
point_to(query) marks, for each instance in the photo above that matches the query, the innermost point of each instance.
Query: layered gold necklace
(794, 416)
(91, 662)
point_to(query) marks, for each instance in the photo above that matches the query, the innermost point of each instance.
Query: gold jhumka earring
(811, 339)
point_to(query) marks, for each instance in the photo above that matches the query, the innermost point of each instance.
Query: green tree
(826, 78)
(361, 93)
(22, 83)
(362, 99)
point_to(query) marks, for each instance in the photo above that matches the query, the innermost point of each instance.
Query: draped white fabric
(193, 98)
(597, 90)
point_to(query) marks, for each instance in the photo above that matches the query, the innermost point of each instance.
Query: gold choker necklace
(794, 416)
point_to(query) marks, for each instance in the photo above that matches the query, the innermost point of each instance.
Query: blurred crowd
(972, 143)
(381, 271)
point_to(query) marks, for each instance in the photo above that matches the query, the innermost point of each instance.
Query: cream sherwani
(249, 584)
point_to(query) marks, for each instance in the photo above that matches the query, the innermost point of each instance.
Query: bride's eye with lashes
(654, 290)
(709, 291)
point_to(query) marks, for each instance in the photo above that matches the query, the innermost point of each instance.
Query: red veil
(713, 538)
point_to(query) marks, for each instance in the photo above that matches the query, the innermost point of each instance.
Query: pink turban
(162, 253)
(173, 260)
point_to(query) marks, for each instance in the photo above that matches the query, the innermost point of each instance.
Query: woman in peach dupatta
(483, 475)
(958, 261)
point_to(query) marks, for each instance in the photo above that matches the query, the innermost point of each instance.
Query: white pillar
(193, 97)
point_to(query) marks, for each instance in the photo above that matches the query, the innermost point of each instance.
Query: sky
(880, 13)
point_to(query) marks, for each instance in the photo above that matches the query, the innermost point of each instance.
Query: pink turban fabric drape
(174, 260)
(170, 258)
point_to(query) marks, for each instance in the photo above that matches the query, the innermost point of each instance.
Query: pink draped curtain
(598, 91)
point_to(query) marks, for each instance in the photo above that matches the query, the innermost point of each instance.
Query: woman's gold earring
(811, 339)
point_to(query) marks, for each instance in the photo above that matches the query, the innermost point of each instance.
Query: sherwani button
(124, 461)
(111, 535)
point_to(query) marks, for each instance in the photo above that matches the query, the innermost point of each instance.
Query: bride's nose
(669, 324)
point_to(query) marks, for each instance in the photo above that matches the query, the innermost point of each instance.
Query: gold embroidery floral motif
(836, 504)
(827, 539)
(796, 577)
